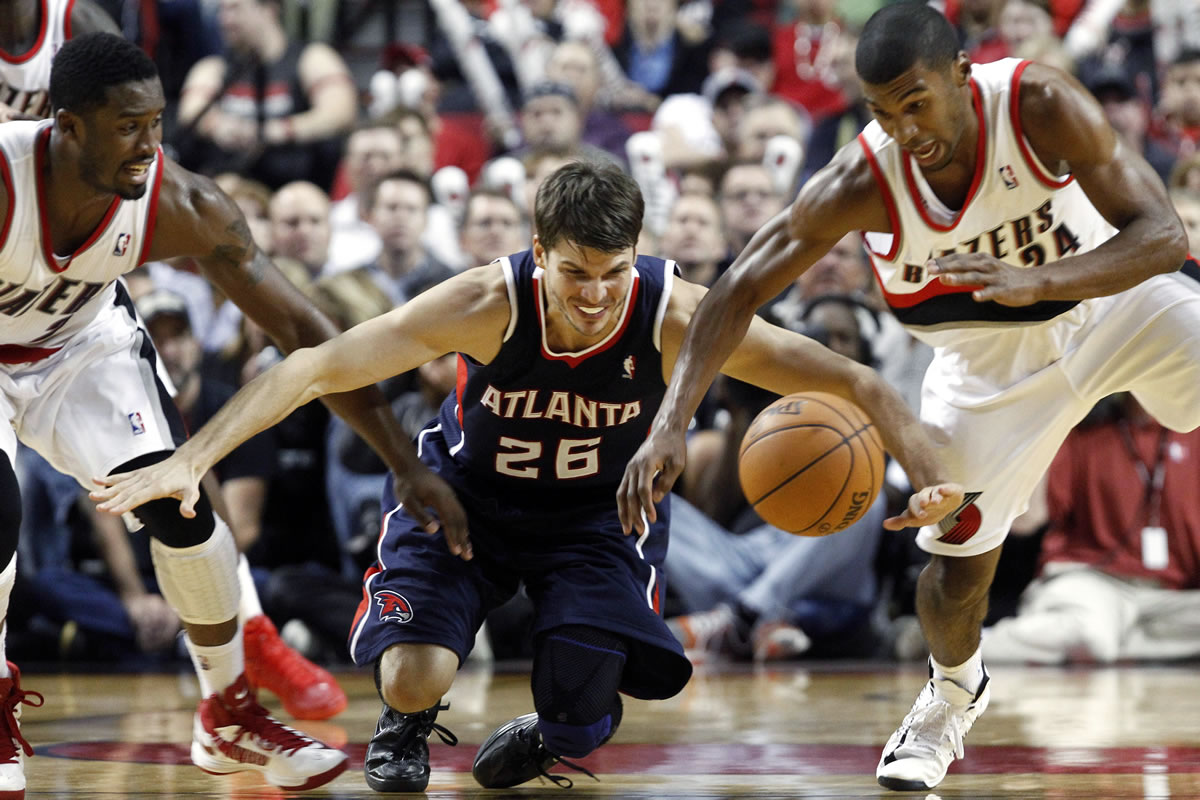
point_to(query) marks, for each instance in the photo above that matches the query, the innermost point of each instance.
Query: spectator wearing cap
(656, 55)
(697, 129)
(574, 63)
(1129, 114)
(551, 119)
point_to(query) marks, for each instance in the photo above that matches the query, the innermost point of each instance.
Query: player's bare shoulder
(195, 218)
(842, 196)
(1062, 121)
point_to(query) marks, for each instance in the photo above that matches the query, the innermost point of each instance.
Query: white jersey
(46, 298)
(25, 77)
(1016, 209)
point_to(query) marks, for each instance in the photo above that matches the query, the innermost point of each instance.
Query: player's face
(585, 290)
(924, 110)
(121, 137)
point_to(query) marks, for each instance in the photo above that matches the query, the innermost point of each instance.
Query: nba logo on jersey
(393, 606)
(122, 245)
(1009, 177)
(135, 422)
(629, 365)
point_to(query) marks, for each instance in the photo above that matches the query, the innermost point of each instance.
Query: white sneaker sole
(220, 765)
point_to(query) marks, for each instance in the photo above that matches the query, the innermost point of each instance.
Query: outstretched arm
(467, 313)
(840, 198)
(784, 362)
(197, 219)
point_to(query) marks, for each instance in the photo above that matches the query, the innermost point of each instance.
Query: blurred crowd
(379, 148)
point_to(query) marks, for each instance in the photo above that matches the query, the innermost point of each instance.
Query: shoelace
(561, 781)
(928, 725)
(429, 725)
(254, 718)
(16, 697)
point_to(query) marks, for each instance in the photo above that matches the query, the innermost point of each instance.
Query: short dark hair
(371, 192)
(86, 66)
(899, 36)
(590, 205)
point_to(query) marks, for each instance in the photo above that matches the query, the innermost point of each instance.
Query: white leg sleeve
(249, 607)
(200, 582)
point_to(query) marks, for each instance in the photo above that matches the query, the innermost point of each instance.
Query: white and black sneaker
(918, 754)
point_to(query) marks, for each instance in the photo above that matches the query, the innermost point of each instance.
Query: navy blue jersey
(557, 429)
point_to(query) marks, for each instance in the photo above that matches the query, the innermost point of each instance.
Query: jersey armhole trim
(37, 45)
(889, 202)
(1044, 176)
(510, 285)
(6, 173)
(663, 301)
(152, 208)
(67, 19)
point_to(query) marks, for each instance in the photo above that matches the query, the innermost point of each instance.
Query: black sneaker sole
(396, 784)
(900, 785)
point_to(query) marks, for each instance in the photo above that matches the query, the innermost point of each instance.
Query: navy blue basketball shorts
(578, 568)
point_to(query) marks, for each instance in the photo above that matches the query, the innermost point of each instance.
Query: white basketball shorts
(93, 405)
(999, 441)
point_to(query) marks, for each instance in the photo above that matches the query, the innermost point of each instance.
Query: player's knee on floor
(161, 517)
(576, 675)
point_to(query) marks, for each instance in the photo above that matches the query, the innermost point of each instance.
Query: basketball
(811, 463)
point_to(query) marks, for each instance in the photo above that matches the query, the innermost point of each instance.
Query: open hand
(927, 507)
(996, 281)
(419, 489)
(649, 475)
(124, 491)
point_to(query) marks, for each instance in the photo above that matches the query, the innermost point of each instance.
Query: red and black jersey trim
(960, 307)
(1191, 268)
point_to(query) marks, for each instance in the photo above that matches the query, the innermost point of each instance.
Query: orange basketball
(811, 463)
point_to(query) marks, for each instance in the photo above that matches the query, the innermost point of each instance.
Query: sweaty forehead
(133, 99)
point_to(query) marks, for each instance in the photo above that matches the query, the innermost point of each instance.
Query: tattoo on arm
(232, 254)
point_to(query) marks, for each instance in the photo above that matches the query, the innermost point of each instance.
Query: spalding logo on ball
(811, 463)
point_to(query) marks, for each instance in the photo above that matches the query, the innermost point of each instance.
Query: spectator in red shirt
(1120, 565)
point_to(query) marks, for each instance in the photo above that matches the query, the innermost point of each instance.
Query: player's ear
(962, 68)
(69, 123)
(539, 252)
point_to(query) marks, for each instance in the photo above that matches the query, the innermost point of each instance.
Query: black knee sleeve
(10, 511)
(162, 518)
(577, 671)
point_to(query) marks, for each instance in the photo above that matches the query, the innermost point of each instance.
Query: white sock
(248, 605)
(7, 577)
(968, 674)
(217, 666)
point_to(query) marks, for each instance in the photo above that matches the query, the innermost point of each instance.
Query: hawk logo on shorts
(135, 422)
(393, 606)
(960, 526)
(122, 245)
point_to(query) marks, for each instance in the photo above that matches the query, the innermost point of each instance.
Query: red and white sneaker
(233, 733)
(306, 690)
(13, 747)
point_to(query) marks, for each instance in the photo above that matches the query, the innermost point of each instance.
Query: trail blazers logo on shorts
(960, 526)
(393, 606)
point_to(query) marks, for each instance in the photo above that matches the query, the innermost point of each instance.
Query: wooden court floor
(800, 731)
